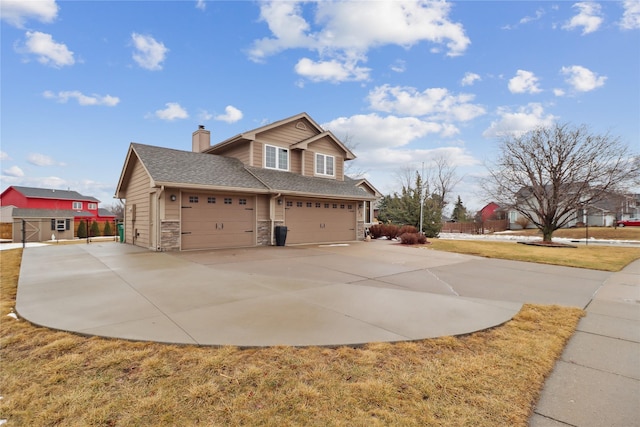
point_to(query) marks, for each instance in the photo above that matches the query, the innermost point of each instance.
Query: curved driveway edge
(299, 296)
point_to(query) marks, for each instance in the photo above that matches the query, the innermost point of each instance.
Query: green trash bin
(121, 232)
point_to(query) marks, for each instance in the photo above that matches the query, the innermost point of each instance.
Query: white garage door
(217, 220)
(319, 221)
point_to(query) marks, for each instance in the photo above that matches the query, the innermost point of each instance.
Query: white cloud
(64, 96)
(149, 53)
(588, 18)
(47, 50)
(231, 115)
(380, 132)
(4, 155)
(333, 70)
(204, 116)
(518, 122)
(39, 159)
(558, 92)
(399, 66)
(469, 79)
(539, 14)
(14, 171)
(436, 103)
(631, 16)
(17, 12)
(201, 4)
(346, 31)
(172, 112)
(582, 79)
(524, 82)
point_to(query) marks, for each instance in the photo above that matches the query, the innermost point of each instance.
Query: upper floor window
(324, 165)
(92, 206)
(77, 205)
(276, 157)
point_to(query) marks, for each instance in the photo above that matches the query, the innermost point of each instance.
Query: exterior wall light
(173, 197)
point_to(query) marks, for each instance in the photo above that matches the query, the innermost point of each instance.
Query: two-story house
(236, 193)
(48, 213)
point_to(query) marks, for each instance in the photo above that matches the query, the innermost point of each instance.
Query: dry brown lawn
(489, 378)
(607, 258)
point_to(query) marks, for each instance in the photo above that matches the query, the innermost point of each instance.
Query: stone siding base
(170, 235)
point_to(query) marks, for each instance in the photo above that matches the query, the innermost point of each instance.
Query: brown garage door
(217, 220)
(319, 221)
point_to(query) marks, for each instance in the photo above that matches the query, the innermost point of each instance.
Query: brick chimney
(200, 139)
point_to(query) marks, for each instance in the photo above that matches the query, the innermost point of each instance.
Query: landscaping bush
(413, 239)
(82, 230)
(390, 231)
(376, 231)
(107, 229)
(95, 229)
(407, 229)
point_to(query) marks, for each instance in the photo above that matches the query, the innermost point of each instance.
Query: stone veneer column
(170, 235)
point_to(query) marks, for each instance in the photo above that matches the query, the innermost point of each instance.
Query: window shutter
(53, 224)
(67, 224)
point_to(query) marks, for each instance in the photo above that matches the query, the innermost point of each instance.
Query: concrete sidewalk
(596, 382)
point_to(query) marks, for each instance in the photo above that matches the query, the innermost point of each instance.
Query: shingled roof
(48, 213)
(46, 193)
(168, 166)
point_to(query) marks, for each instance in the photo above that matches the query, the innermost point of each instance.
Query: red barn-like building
(52, 213)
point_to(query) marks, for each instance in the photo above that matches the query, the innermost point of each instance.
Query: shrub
(95, 230)
(390, 230)
(413, 239)
(407, 229)
(82, 230)
(376, 231)
(107, 229)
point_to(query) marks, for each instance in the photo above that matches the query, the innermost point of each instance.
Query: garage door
(319, 221)
(217, 221)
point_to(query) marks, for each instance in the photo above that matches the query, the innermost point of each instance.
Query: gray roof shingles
(46, 193)
(48, 213)
(185, 167)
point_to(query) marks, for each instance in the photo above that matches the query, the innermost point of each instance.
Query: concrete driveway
(305, 295)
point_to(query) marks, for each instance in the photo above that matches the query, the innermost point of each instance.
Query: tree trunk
(546, 234)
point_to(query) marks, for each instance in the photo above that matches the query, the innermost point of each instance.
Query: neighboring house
(490, 211)
(236, 193)
(601, 213)
(50, 213)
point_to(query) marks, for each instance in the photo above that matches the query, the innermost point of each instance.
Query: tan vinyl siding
(171, 209)
(137, 193)
(258, 159)
(295, 157)
(262, 208)
(288, 133)
(240, 151)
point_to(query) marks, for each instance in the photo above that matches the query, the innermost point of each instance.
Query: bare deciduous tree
(550, 172)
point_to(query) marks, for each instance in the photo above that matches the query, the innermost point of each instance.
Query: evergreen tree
(82, 230)
(95, 229)
(404, 208)
(107, 229)
(459, 212)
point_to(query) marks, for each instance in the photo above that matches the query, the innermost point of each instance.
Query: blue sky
(401, 82)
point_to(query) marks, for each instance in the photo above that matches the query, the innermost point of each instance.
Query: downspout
(272, 214)
(158, 232)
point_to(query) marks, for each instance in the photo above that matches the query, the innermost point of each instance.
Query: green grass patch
(606, 258)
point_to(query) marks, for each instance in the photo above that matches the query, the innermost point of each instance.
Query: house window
(335, 206)
(309, 204)
(193, 199)
(276, 157)
(92, 206)
(77, 205)
(211, 199)
(228, 200)
(60, 224)
(350, 207)
(299, 204)
(324, 165)
(318, 205)
(326, 205)
(242, 201)
(513, 216)
(341, 206)
(289, 204)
